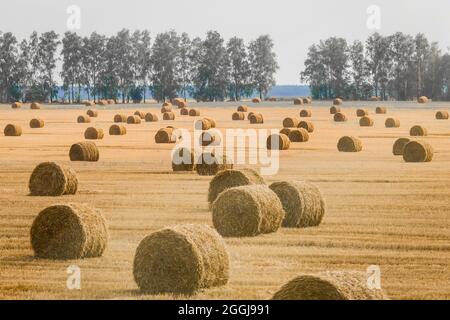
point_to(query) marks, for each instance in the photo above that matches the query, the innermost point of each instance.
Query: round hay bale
(381, 110)
(374, 98)
(37, 123)
(194, 113)
(399, 146)
(337, 101)
(286, 131)
(181, 104)
(12, 130)
(92, 113)
(392, 123)
(230, 178)
(336, 285)
(208, 164)
(84, 151)
(247, 211)
(183, 159)
(442, 115)
(307, 100)
(290, 122)
(298, 101)
(134, 119)
(307, 125)
(181, 259)
(16, 105)
(305, 113)
(256, 118)
(418, 151)
(184, 112)
(202, 124)
(256, 100)
(166, 109)
(103, 102)
(165, 135)
(298, 135)
(210, 138)
(249, 115)
(89, 103)
(92, 133)
(242, 108)
(238, 116)
(52, 179)
(349, 144)
(35, 106)
(340, 117)
(140, 114)
(366, 122)
(418, 131)
(422, 99)
(362, 113)
(111, 101)
(278, 142)
(302, 202)
(167, 104)
(117, 130)
(334, 110)
(211, 121)
(118, 118)
(169, 116)
(83, 119)
(151, 117)
(69, 231)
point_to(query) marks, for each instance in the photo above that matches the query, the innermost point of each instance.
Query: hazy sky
(293, 24)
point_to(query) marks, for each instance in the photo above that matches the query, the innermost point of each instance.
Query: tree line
(396, 67)
(128, 64)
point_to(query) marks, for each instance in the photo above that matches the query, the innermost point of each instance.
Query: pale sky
(293, 24)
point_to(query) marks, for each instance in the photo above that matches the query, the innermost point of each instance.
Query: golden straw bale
(442, 115)
(35, 106)
(362, 112)
(165, 135)
(16, 105)
(184, 112)
(12, 130)
(307, 125)
(298, 135)
(92, 113)
(337, 101)
(278, 142)
(92, 133)
(52, 179)
(84, 151)
(242, 108)
(169, 116)
(366, 122)
(118, 118)
(256, 118)
(418, 131)
(183, 159)
(399, 146)
(305, 113)
(151, 117)
(194, 113)
(140, 114)
(418, 151)
(340, 117)
(392, 123)
(37, 123)
(381, 110)
(298, 101)
(349, 144)
(256, 100)
(238, 116)
(422, 99)
(210, 138)
(208, 164)
(134, 119)
(83, 119)
(335, 109)
(117, 130)
(290, 122)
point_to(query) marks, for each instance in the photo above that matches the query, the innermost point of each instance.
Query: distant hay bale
(305, 113)
(210, 138)
(238, 116)
(298, 135)
(392, 123)
(286, 131)
(374, 98)
(366, 122)
(211, 121)
(422, 99)
(230, 178)
(337, 101)
(16, 105)
(12, 130)
(118, 118)
(117, 130)
(247, 211)
(202, 124)
(89, 103)
(92, 133)
(111, 101)
(249, 115)
(166, 109)
(83, 119)
(349, 144)
(169, 116)
(103, 102)
(334, 110)
(194, 113)
(208, 164)
(167, 104)
(37, 123)
(140, 114)
(84, 151)
(290, 122)
(182, 260)
(181, 104)
(362, 113)
(242, 108)
(336, 285)
(184, 112)
(92, 113)
(340, 117)
(442, 115)
(302, 202)
(256, 118)
(52, 179)
(151, 117)
(399, 146)
(418, 131)
(256, 100)
(307, 100)
(183, 159)
(69, 231)
(381, 110)
(35, 106)
(418, 151)
(307, 125)
(165, 135)
(298, 101)
(134, 119)
(278, 142)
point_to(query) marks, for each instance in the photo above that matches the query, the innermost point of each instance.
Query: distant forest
(129, 64)
(394, 67)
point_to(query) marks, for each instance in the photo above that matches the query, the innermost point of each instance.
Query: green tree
(240, 71)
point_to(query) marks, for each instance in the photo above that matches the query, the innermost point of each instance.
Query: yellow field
(380, 210)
